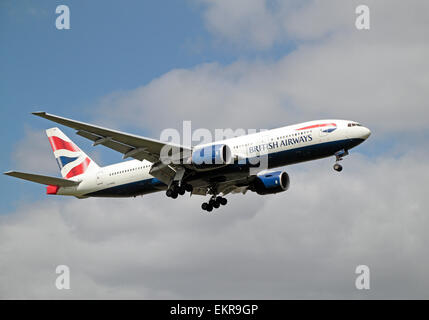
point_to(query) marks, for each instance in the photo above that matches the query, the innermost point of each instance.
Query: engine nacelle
(212, 156)
(271, 182)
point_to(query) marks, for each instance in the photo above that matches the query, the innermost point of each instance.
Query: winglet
(39, 113)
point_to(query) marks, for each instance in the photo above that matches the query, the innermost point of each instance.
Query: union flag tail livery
(71, 160)
(228, 165)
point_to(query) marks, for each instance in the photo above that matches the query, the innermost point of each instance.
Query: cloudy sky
(146, 66)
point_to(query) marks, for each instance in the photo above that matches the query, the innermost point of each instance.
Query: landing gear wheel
(174, 194)
(169, 193)
(338, 167)
(204, 206)
(216, 204)
(188, 187)
(181, 190)
(223, 201)
(209, 208)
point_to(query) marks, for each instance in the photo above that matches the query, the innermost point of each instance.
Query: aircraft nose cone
(366, 133)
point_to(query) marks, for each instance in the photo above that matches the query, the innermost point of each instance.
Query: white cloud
(381, 85)
(33, 153)
(209, 95)
(243, 21)
(377, 77)
(260, 24)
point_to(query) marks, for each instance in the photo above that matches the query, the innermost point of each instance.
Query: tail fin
(71, 160)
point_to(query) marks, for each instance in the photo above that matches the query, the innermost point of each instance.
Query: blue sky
(109, 47)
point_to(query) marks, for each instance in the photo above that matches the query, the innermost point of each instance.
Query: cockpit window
(351, 124)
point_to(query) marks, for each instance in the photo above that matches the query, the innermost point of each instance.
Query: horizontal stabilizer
(42, 179)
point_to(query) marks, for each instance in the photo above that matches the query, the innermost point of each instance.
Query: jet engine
(212, 156)
(270, 182)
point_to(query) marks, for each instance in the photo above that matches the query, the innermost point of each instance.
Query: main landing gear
(214, 202)
(175, 190)
(338, 157)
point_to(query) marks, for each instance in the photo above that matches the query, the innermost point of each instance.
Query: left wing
(231, 186)
(130, 145)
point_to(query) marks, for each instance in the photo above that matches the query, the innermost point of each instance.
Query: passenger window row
(128, 170)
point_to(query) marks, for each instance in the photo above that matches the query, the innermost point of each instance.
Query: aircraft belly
(130, 189)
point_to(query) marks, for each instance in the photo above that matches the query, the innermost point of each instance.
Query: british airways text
(280, 143)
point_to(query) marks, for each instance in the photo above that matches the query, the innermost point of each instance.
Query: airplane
(224, 167)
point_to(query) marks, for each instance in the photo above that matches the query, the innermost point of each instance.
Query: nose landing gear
(338, 157)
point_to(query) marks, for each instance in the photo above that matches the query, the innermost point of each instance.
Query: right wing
(129, 145)
(240, 185)
(42, 179)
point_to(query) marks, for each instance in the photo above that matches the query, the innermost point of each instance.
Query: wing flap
(46, 180)
(162, 172)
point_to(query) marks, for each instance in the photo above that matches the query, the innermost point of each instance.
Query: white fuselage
(286, 145)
